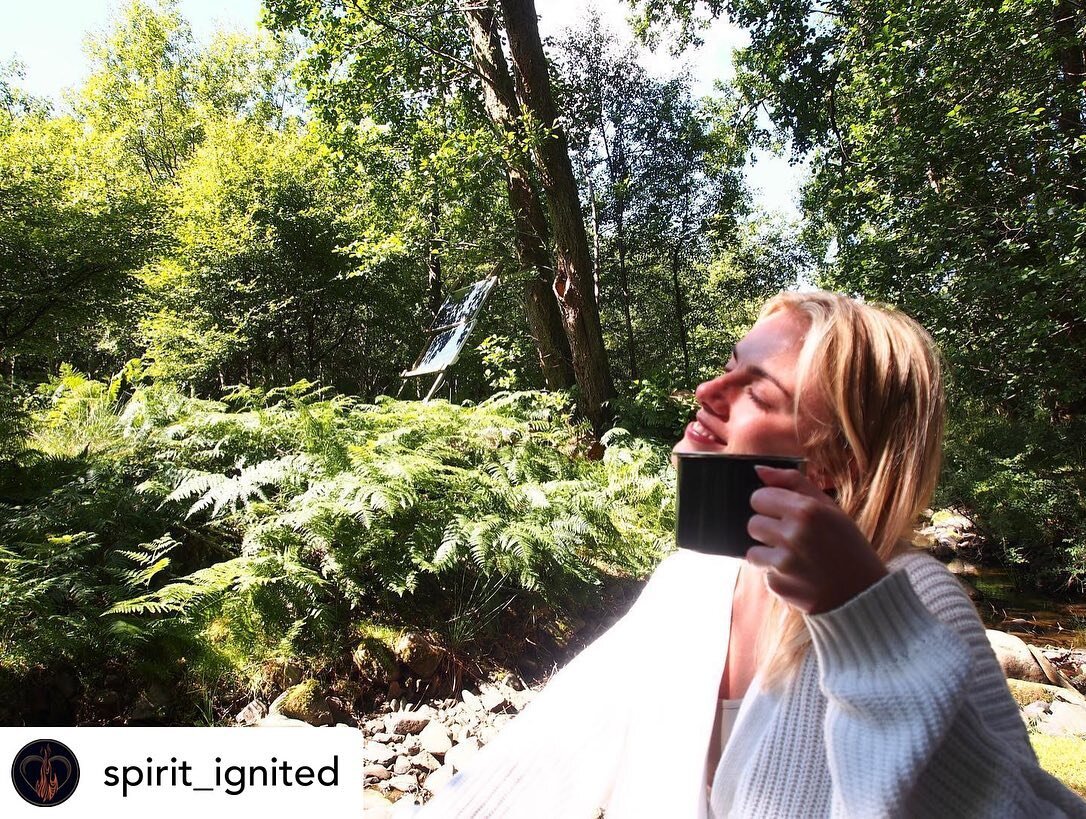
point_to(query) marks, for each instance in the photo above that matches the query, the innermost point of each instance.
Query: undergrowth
(200, 544)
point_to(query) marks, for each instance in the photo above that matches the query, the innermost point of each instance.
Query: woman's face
(748, 409)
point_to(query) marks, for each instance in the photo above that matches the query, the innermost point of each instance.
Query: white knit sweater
(901, 709)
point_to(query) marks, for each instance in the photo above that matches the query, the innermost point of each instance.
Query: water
(1034, 617)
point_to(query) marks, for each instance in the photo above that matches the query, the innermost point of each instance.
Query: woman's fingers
(767, 557)
(791, 479)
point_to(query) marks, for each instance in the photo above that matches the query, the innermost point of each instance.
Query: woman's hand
(814, 556)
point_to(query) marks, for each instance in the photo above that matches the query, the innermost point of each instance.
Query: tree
(256, 288)
(574, 283)
(662, 173)
(75, 225)
(532, 230)
(948, 148)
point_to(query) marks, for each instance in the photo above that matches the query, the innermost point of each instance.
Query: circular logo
(45, 772)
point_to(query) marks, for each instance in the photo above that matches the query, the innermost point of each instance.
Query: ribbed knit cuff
(877, 625)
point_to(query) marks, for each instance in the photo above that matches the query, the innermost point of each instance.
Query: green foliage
(646, 409)
(162, 526)
(947, 150)
(1032, 503)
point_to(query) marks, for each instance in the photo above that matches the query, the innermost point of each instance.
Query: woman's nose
(714, 395)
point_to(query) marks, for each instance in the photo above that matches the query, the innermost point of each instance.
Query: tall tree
(574, 283)
(530, 223)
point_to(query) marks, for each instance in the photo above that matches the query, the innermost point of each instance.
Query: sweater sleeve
(919, 720)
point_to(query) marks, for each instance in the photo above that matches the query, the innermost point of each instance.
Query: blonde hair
(875, 374)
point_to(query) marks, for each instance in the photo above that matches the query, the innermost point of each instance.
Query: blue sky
(47, 37)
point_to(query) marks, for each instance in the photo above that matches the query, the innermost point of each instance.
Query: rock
(486, 734)
(1025, 693)
(435, 739)
(373, 726)
(439, 778)
(402, 766)
(492, 699)
(405, 783)
(1034, 712)
(304, 702)
(409, 722)
(375, 805)
(962, 568)
(378, 753)
(411, 744)
(461, 753)
(382, 737)
(279, 721)
(375, 772)
(1064, 719)
(470, 700)
(426, 761)
(375, 662)
(251, 713)
(1015, 658)
(418, 654)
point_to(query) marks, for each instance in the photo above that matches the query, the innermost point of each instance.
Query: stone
(435, 739)
(1025, 693)
(426, 761)
(373, 726)
(418, 654)
(251, 713)
(279, 721)
(411, 744)
(1064, 719)
(382, 736)
(405, 783)
(402, 765)
(461, 753)
(409, 722)
(439, 778)
(375, 772)
(305, 702)
(1015, 658)
(470, 700)
(375, 662)
(492, 699)
(1035, 711)
(375, 805)
(378, 753)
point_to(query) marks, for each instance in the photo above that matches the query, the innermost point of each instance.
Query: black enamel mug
(712, 506)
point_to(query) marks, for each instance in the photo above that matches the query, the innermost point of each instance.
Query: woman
(863, 680)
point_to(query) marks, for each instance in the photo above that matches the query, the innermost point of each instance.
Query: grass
(1064, 758)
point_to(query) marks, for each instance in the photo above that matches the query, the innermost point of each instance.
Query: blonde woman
(833, 672)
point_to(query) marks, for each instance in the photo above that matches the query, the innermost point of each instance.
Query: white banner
(181, 772)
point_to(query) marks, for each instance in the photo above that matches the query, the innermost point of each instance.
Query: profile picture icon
(45, 772)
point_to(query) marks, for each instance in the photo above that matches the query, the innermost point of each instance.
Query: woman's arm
(919, 720)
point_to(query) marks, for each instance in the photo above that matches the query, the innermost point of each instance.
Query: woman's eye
(756, 399)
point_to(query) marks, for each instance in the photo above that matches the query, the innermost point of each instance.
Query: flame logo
(47, 785)
(45, 772)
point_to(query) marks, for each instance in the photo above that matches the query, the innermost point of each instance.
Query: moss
(1064, 758)
(1026, 692)
(300, 699)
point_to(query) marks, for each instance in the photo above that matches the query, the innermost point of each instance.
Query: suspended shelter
(448, 334)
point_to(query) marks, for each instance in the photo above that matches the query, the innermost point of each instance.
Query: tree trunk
(574, 283)
(529, 221)
(435, 286)
(680, 312)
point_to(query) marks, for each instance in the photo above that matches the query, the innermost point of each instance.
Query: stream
(1034, 617)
